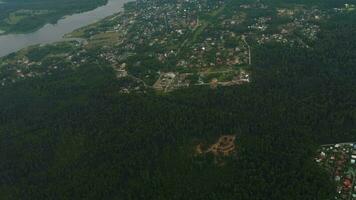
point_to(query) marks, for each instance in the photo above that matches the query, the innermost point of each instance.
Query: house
(347, 183)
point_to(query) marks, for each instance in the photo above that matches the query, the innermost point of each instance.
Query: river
(54, 32)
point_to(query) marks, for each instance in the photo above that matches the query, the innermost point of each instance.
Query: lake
(54, 32)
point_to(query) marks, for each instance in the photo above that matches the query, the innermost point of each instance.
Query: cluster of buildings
(11, 72)
(340, 161)
(169, 81)
(300, 21)
(347, 8)
(180, 40)
(39, 61)
(170, 35)
(261, 24)
(175, 35)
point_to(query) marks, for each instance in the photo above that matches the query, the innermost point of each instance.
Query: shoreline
(51, 33)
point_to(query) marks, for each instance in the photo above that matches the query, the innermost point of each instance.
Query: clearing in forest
(224, 146)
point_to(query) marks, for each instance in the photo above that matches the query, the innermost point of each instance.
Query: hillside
(120, 116)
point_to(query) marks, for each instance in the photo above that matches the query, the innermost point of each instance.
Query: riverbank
(54, 32)
(21, 18)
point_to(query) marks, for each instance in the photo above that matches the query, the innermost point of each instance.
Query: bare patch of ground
(224, 146)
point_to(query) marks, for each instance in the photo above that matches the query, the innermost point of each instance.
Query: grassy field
(107, 38)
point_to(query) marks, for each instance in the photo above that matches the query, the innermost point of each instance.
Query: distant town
(340, 161)
(167, 46)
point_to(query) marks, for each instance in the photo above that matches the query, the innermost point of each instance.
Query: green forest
(71, 135)
(21, 16)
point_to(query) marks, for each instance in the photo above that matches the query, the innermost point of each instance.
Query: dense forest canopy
(71, 135)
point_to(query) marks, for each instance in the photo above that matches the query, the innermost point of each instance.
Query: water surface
(54, 32)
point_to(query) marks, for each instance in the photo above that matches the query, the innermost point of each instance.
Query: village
(167, 46)
(340, 162)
